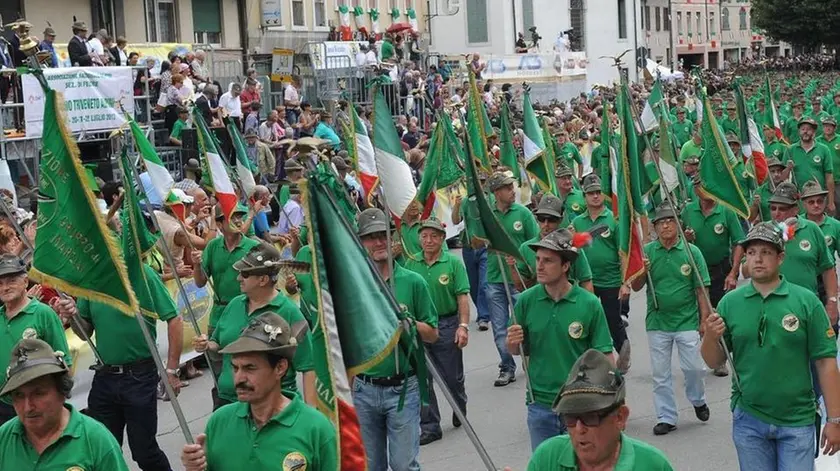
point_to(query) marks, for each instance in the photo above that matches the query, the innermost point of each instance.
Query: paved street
(498, 415)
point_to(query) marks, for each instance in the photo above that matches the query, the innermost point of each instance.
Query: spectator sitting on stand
(324, 130)
(178, 127)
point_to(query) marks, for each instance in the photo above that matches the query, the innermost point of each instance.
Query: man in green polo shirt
(446, 276)
(605, 262)
(554, 323)
(47, 432)
(831, 140)
(391, 432)
(549, 213)
(258, 275)
(573, 202)
(811, 160)
(813, 202)
(773, 148)
(791, 127)
(123, 395)
(268, 427)
(683, 128)
(760, 209)
(568, 153)
(175, 138)
(675, 318)
(22, 317)
(806, 254)
(731, 124)
(692, 147)
(592, 406)
(691, 167)
(520, 225)
(774, 329)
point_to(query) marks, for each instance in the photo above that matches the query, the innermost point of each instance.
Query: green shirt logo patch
(837, 146)
(685, 269)
(294, 461)
(75, 468)
(517, 226)
(606, 233)
(805, 245)
(828, 240)
(29, 333)
(718, 228)
(575, 330)
(443, 279)
(575, 207)
(817, 159)
(790, 323)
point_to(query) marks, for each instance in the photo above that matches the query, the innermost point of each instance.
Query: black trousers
(449, 360)
(717, 277)
(127, 402)
(614, 309)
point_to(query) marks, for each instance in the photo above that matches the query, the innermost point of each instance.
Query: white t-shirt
(231, 104)
(291, 94)
(96, 45)
(370, 58)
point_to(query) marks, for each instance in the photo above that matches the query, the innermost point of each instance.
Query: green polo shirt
(766, 193)
(833, 146)
(574, 204)
(830, 228)
(558, 454)
(806, 255)
(690, 148)
(579, 271)
(446, 278)
(84, 444)
(810, 165)
(520, 225)
(791, 129)
(730, 126)
(775, 149)
(217, 263)
(775, 379)
(556, 334)
(410, 235)
(569, 154)
(675, 286)
(715, 233)
(119, 338)
(35, 320)
(299, 437)
(602, 254)
(682, 131)
(177, 129)
(236, 317)
(412, 293)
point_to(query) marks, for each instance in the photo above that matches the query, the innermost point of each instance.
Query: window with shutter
(477, 30)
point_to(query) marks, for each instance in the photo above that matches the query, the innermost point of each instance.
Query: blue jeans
(391, 437)
(765, 447)
(543, 424)
(691, 364)
(499, 315)
(476, 263)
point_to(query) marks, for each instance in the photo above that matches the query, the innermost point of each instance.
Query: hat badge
(790, 323)
(575, 330)
(272, 331)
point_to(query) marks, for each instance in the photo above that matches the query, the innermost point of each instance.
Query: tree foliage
(808, 23)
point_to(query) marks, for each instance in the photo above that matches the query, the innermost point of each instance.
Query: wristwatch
(465, 326)
(833, 299)
(833, 420)
(175, 372)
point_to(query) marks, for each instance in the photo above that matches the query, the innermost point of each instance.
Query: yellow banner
(159, 51)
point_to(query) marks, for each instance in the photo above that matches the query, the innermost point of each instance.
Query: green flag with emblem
(507, 152)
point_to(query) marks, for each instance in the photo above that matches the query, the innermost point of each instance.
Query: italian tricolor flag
(222, 187)
(362, 152)
(772, 112)
(244, 168)
(394, 173)
(161, 180)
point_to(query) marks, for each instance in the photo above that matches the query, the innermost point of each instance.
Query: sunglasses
(547, 219)
(779, 207)
(590, 419)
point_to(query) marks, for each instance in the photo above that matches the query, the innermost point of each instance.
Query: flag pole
(479, 447)
(705, 298)
(525, 361)
(28, 243)
(170, 260)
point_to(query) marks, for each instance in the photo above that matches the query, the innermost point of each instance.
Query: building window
(298, 15)
(622, 19)
(742, 19)
(395, 4)
(688, 23)
(699, 27)
(724, 19)
(320, 13)
(679, 23)
(477, 32)
(712, 28)
(666, 19)
(207, 21)
(577, 18)
(646, 18)
(358, 3)
(656, 12)
(160, 21)
(527, 14)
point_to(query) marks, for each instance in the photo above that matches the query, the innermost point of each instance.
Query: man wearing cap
(446, 276)
(731, 124)
(294, 172)
(760, 210)
(573, 202)
(258, 274)
(774, 329)
(591, 404)
(77, 48)
(268, 427)
(47, 44)
(791, 127)
(47, 432)
(392, 434)
(554, 322)
(806, 254)
(693, 147)
(683, 128)
(178, 127)
(674, 318)
(817, 113)
(521, 225)
(811, 160)
(567, 153)
(605, 262)
(549, 214)
(813, 202)
(22, 317)
(123, 395)
(832, 142)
